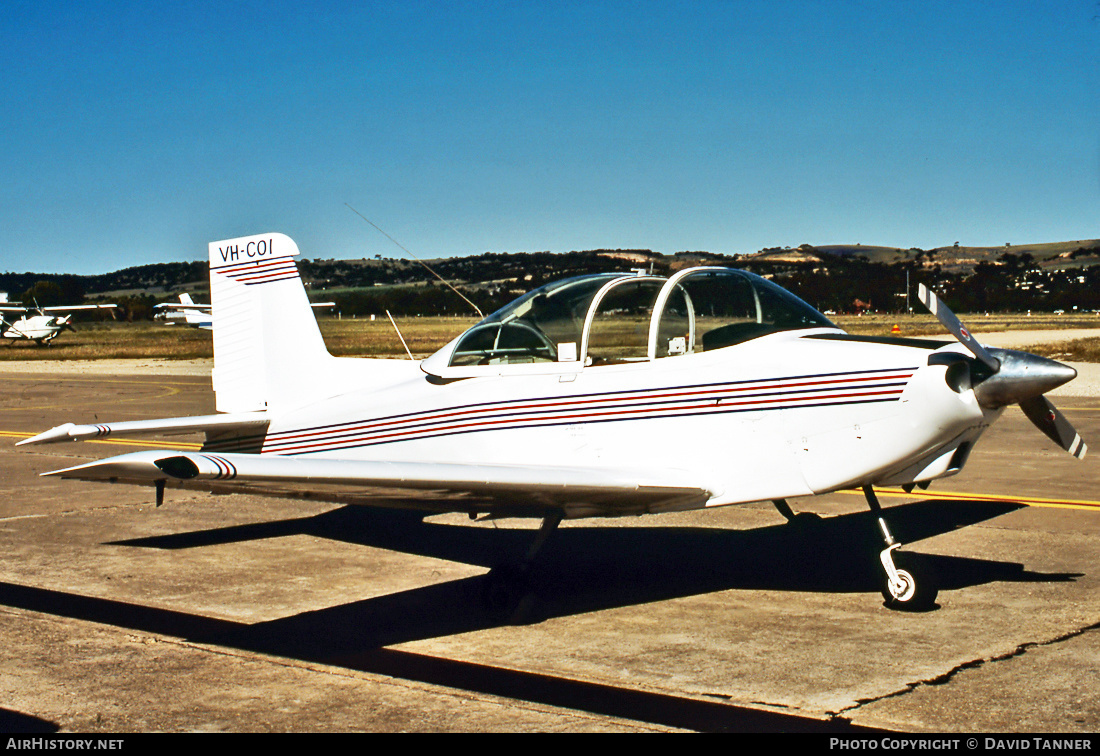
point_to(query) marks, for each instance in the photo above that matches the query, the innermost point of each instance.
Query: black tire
(504, 588)
(921, 589)
(807, 521)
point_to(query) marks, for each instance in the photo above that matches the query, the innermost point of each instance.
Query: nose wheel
(908, 585)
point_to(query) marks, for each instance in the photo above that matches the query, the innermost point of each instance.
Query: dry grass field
(377, 338)
(1077, 350)
(349, 337)
(923, 324)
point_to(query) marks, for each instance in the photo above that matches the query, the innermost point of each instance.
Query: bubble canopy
(614, 318)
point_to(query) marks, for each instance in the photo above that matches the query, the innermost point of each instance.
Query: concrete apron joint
(946, 677)
(321, 668)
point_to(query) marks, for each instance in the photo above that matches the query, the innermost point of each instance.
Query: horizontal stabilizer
(241, 421)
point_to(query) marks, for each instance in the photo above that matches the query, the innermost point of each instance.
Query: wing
(72, 308)
(499, 489)
(173, 307)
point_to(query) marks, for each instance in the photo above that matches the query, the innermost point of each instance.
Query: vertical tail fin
(267, 345)
(196, 317)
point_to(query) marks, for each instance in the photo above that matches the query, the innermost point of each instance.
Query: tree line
(842, 284)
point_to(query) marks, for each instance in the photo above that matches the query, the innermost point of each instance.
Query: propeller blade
(1053, 423)
(954, 325)
(1017, 378)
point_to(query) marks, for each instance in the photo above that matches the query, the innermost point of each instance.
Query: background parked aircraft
(39, 324)
(198, 315)
(187, 311)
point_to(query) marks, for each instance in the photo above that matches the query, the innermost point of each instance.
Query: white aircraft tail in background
(191, 313)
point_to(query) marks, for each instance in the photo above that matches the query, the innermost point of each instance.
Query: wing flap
(579, 491)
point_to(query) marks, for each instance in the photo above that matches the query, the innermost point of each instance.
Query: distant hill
(1050, 275)
(1070, 254)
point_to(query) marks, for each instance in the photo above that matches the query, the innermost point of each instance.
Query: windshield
(711, 308)
(544, 325)
(638, 318)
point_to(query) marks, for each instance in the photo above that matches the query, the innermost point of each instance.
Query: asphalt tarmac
(244, 614)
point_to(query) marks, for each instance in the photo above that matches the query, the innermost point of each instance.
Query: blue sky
(136, 132)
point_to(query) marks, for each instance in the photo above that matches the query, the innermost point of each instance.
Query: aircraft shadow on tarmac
(581, 569)
(12, 721)
(589, 568)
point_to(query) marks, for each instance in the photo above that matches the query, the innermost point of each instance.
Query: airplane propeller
(1006, 376)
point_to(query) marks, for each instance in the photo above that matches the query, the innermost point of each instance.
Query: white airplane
(193, 314)
(601, 395)
(40, 324)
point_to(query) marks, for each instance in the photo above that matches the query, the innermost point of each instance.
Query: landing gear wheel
(807, 520)
(506, 594)
(916, 588)
(903, 591)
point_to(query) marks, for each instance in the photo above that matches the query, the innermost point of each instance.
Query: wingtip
(53, 435)
(140, 466)
(62, 471)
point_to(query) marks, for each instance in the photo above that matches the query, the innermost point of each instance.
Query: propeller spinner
(1006, 376)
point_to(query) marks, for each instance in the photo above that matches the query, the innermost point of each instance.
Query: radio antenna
(394, 324)
(480, 314)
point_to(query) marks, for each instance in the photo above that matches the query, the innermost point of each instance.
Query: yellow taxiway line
(1031, 501)
(175, 445)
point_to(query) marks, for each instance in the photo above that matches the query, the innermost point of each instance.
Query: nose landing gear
(909, 585)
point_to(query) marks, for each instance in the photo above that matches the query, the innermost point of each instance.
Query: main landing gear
(507, 592)
(908, 586)
(801, 519)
